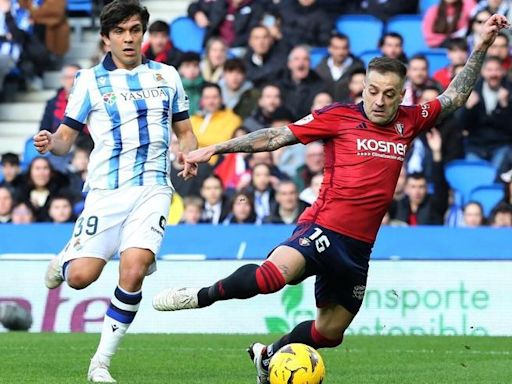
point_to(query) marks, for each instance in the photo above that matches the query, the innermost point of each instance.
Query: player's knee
(79, 279)
(131, 278)
(330, 331)
(269, 278)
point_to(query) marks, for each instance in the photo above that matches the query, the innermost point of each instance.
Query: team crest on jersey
(158, 77)
(399, 127)
(304, 241)
(358, 292)
(109, 98)
(305, 120)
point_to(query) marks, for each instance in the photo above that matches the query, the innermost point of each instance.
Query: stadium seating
(464, 176)
(409, 27)
(363, 31)
(426, 4)
(80, 6)
(186, 35)
(366, 56)
(437, 59)
(317, 54)
(488, 196)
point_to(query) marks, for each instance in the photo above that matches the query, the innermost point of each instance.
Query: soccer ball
(296, 364)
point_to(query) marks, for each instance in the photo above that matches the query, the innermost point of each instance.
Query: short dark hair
(234, 65)
(339, 35)
(211, 85)
(159, 26)
(10, 158)
(120, 10)
(282, 113)
(505, 36)
(391, 34)
(457, 43)
(385, 64)
(416, 176)
(492, 58)
(419, 56)
(189, 57)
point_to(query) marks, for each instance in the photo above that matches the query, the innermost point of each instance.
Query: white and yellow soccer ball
(296, 364)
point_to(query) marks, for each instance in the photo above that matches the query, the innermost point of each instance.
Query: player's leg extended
(284, 264)
(123, 307)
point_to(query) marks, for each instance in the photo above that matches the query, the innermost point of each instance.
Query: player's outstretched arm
(263, 140)
(460, 88)
(58, 143)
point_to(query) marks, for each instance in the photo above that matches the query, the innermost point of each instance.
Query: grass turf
(210, 359)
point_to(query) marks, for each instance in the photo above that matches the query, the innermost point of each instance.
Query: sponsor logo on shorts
(304, 241)
(358, 292)
(162, 222)
(153, 229)
(77, 245)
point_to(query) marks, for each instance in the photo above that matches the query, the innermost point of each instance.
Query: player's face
(60, 210)
(124, 41)
(472, 215)
(382, 96)
(5, 202)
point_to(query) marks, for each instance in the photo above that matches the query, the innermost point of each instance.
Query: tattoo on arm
(460, 88)
(263, 140)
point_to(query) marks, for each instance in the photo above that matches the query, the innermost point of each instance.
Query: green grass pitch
(211, 359)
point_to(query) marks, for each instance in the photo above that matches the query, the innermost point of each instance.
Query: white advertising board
(403, 297)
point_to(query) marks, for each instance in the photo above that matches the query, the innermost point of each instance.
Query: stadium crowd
(256, 71)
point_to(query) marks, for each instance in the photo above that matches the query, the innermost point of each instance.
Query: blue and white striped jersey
(128, 113)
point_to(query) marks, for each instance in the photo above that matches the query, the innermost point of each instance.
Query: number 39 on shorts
(321, 241)
(90, 225)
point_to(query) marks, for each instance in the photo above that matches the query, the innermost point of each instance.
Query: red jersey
(362, 163)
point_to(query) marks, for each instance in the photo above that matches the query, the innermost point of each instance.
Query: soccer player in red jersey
(364, 146)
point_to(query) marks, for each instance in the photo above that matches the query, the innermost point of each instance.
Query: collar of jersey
(361, 109)
(109, 64)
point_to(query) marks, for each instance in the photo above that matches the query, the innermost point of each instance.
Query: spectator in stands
(60, 209)
(268, 102)
(242, 209)
(314, 163)
(475, 27)
(77, 170)
(215, 208)
(190, 73)
(501, 48)
(445, 21)
(193, 209)
(355, 87)
(322, 99)
(338, 66)
(100, 53)
(55, 107)
(487, 115)
(501, 216)
(23, 213)
(214, 123)
(391, 45)
(6, 204)
(51, 23)
(473, 215)
(417, 80)
(11, 170)
(213, 62)
(262, 190)
(501, 7)
(264, 57)
(304, 22)
(238, 93)
(11, 41)
(418, 207)
(159, 46)
(300, 84)
(288, 207)
(457, 54)
(231, 20)
(41, 183)
(384, 9)
(310, 194)
(190, 187)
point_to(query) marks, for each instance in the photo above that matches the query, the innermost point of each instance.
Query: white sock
(119, 316)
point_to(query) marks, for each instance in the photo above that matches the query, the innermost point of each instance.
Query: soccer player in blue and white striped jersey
(128, 104)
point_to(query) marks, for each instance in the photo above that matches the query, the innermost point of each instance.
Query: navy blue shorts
(339, 262)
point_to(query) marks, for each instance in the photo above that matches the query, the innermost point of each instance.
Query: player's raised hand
(491, 28)
(43, 141)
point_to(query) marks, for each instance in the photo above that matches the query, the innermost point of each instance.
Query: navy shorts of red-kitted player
(339, 262)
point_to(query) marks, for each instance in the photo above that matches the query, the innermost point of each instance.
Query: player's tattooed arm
(461, 87)
(263, 140)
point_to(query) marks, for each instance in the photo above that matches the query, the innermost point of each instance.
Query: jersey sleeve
(180, 102)
(79, 103)
(425, 115)
(315, 126)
